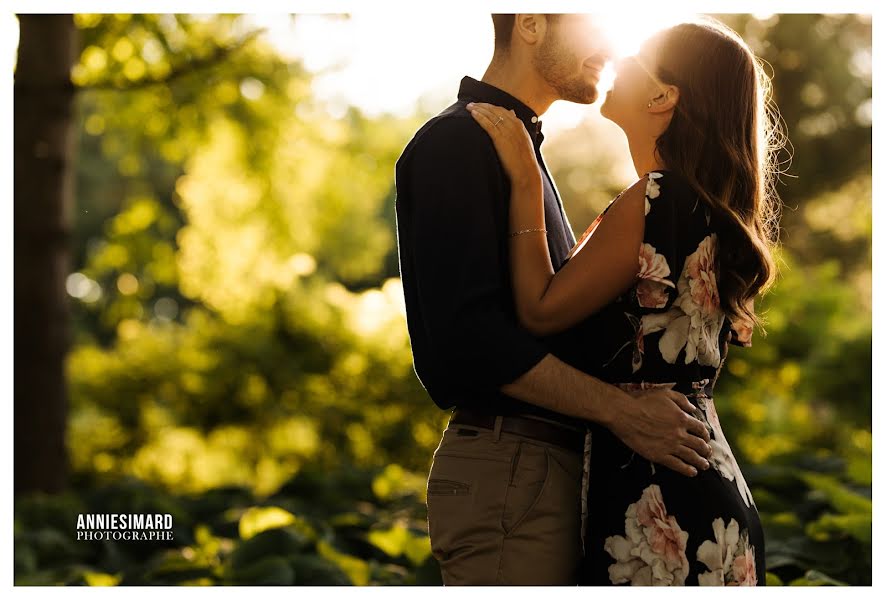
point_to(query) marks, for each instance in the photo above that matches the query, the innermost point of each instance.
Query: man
(505, 486)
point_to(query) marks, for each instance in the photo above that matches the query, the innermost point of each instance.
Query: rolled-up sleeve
(455, 185)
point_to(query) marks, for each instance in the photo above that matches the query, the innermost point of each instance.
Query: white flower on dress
(722, 459)
(653, 551)
(652, 189)
(695, 319)
(730, 557)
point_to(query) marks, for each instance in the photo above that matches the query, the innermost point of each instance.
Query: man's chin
(578, 93)
(588, 97)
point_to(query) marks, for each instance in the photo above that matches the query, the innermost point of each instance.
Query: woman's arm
(597, 273)
(602, 269)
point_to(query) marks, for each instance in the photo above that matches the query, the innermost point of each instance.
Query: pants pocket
(465, 492)
(530, 472)
(447, 487)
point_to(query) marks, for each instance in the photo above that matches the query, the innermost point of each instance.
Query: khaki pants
(504, 509)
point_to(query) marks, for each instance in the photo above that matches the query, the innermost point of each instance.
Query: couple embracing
(584, 445)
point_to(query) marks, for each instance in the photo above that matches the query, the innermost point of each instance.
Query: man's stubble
(555, 63)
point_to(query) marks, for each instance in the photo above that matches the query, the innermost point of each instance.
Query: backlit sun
(626, 32)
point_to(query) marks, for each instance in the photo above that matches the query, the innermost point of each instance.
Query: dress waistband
(691, 389)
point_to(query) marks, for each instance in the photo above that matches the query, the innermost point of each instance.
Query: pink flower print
(744, 569)
(664, 534)
(701, 269)
(743, 330)
(653, 551)
(695, 319)
(729, 556)
(651, 290)
(652, 294)
(653, 265)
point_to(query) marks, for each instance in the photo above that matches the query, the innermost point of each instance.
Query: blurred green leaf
(271, 542)
(273, 570)
(94, 578)
(356, 569)
(816, 578)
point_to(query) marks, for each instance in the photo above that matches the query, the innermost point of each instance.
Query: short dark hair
(504, 28)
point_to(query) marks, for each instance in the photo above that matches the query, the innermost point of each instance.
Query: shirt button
(535, 119)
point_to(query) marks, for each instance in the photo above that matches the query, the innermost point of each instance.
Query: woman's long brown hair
(724, 138)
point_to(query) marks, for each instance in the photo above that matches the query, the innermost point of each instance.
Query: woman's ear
(666, 101)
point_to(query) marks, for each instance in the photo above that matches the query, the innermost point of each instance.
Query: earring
(649, 105)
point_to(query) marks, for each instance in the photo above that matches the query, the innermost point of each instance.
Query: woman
(693, 105)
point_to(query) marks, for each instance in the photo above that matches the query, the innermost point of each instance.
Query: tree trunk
(43, 188)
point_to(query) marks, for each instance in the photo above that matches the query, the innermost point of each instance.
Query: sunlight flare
(626, 32)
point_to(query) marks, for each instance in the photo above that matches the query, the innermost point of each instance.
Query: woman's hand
(512, 142)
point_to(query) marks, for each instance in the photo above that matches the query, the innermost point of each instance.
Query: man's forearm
(559, 387)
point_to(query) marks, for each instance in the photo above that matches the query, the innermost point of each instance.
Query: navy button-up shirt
(452, 207)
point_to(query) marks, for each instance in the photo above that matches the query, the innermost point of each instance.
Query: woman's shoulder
(674, 187)
(668, 182)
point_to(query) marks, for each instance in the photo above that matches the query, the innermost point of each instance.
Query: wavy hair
(724, 138)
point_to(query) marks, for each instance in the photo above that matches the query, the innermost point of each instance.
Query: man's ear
(666, 101)
(530, 28)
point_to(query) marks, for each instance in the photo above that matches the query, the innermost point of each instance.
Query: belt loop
(497, 428)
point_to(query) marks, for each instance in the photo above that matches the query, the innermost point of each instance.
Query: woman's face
(635, 85)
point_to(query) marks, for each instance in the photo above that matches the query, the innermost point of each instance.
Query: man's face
(571, 57)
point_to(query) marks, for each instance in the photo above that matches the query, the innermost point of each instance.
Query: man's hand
(658, 424)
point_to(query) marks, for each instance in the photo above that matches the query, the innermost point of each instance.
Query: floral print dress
(644, 523)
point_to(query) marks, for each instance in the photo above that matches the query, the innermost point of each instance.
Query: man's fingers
(696, 427)
(682, 401)
(690, 456)
(679, 466)
(699, 445)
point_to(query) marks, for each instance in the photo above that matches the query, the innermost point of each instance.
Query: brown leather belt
(543, 431)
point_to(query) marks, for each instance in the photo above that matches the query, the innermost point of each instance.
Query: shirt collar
(480, 91)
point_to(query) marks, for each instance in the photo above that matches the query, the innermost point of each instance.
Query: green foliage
(240, 356)
(228, 537)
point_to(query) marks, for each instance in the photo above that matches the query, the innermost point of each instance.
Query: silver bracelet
(527, 231)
